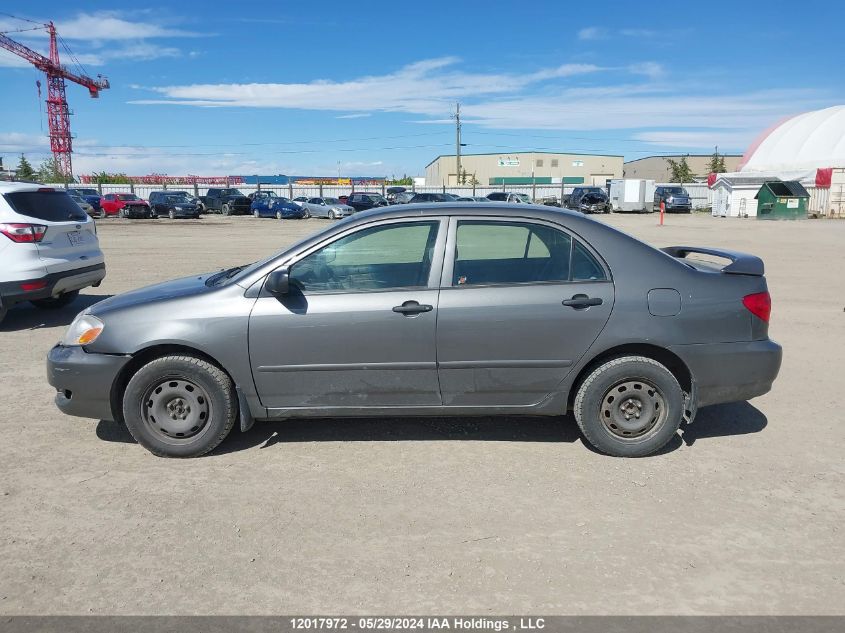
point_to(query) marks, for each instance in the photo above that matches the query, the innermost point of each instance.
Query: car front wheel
(180, 406)
(226, 210)
(278, 215)
(629, 406)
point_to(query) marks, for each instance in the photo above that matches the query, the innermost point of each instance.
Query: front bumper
(56, 283)
(83, 381)
(731, 372)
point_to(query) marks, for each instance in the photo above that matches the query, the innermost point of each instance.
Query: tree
(681, 171)
(49, 172)
(24, 170)
(405, 180)
(105, 178)
(717, 163)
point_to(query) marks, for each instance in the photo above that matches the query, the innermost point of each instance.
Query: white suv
(48, 247)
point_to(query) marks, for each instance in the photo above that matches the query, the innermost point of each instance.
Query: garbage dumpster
(782, 200)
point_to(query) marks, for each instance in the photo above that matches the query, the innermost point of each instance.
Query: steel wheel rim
(176, 410)
(632, 409)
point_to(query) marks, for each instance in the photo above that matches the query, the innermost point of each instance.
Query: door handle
(580, 302)
(413, 307)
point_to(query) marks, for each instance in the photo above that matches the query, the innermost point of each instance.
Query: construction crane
(58, 113)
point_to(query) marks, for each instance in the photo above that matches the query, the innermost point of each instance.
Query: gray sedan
(430, 310)
(331, 208)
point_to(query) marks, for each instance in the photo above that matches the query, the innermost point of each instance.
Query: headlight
(83, 331)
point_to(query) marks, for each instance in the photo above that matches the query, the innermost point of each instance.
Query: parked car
(174, 204)
(126, 205)
(403, 197)
(509, 196)
(574, 199)
(594, 202)
(629, 338)
(267, 204)
(48, 247)
(473, 199)
(227, 201)
(431, 197)
(89, 194)
(363, 200)
(393, 192)
(89, 209)
(675, 199)
(327, 208)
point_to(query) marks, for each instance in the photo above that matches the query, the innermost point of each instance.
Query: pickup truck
(226, 201)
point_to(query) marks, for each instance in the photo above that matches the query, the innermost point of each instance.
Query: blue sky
(366, 88)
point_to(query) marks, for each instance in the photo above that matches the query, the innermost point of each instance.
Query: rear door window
(50, 206)
(510, 253)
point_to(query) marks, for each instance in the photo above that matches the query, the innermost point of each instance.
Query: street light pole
(457, 117)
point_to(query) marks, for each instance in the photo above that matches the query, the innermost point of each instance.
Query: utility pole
(457, 117)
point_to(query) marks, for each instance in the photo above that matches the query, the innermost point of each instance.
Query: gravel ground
(743, 515)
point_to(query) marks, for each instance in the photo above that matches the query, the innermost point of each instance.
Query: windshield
(523, 197)
(676, 191)
(179, 197)
(231, 192)
(87, 192)
(128, 196)
(331, 200)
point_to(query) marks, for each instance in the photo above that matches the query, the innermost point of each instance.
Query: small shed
(782, 200)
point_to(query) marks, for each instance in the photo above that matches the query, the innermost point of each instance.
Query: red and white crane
(58, 113)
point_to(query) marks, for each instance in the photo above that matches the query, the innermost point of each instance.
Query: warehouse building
(657, 168)
(523, 168)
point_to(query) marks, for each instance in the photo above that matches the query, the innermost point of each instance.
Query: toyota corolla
(419, 310)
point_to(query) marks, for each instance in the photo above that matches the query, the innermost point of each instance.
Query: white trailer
(632, 194)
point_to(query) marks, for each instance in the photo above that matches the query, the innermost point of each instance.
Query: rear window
(51, 206)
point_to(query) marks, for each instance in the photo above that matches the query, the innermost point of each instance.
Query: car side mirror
(278, 282)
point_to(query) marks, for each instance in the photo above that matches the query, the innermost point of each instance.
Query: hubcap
(632, 408)
(176, 409)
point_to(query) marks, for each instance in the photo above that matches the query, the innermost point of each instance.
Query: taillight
(759, 304)
(24, 233)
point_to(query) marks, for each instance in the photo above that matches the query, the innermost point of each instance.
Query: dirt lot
(741, 516)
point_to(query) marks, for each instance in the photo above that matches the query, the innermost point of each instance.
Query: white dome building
(794, 149)
(803, 142)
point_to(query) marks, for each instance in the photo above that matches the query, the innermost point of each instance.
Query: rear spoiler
(741, 263)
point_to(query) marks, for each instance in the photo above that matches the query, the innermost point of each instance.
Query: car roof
(18, 185)
(467, 208)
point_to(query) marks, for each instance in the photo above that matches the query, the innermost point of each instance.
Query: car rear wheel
(278, 215)
(179, 406)
(171, 214)
(226, 210)
(307, 214)
(54, 303)
(256, 214)
(629, 406)
(332, 215)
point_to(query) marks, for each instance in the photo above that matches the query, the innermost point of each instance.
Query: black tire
(226, 210)
(278, 215)
(3, 312)
(332, 215)
(307, 215)
(171, 214)
(183, 390)
(635, 386)
(256, 214)
(54, 303)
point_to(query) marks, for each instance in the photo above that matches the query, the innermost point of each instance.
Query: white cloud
(695, 139)
(652, 70)
(424, 87)
(592, 33)
(103, 25)
(357, 115)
